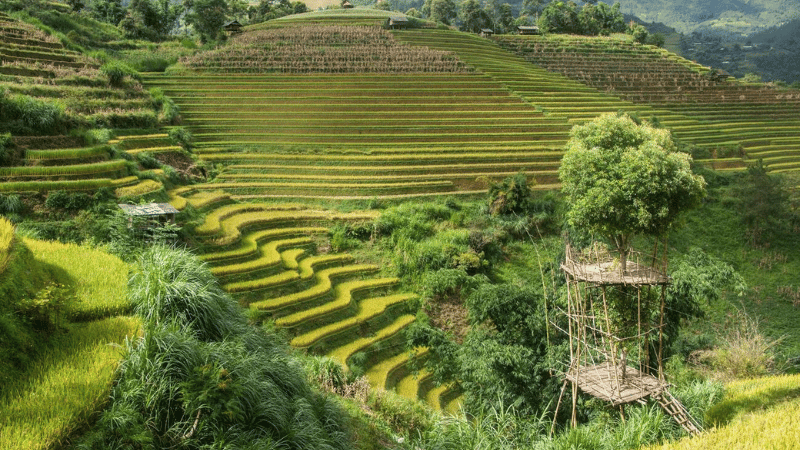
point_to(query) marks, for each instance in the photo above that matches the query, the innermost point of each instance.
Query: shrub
(116, 71)
(183, 137)
(511, 196)
(6, 153)
(744, 352)
(147, 160)
(68, 200)
(24, 114)
(10, 204)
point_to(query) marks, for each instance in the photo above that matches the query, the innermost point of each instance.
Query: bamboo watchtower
(615, 324)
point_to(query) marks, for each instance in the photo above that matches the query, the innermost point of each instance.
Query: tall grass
(98, 279)
(201, 376)
(67, 383)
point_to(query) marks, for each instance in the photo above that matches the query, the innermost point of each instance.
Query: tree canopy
(622, 179)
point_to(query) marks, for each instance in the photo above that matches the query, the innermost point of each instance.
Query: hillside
(345, 208)
(724, 18)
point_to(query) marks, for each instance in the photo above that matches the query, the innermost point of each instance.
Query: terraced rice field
(35, 65)
(266, 255)
(310, 135)
(720, 112)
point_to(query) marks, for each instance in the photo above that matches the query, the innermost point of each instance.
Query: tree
(151, 19)
(601, 19)
(110, 11)
(383, 5)
(560, 17)
(532, 7)
(443, 11)
(473, 17)
(207, 17)
(622, 179)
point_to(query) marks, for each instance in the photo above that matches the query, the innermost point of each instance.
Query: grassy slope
(69, 377)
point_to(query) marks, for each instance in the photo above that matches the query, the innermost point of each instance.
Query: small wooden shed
(346, 4)
(397, 22)
(233, 27)
(153, 213)
(528, 29)
(486, 32)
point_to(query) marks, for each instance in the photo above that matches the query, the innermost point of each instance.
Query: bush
(116, 71)
(511, 196)
(744, 352)
(183, 137)
(68, 200)
(147, 160)
(23, 114)
(6, 154)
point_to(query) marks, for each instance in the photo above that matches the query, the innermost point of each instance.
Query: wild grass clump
(743, 352)
(25, 115)
(202, 376)
(117, 71)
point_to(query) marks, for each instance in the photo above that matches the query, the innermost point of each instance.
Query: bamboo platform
(609, 273)
(605, 381)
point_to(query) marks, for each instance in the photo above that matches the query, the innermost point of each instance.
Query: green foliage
(45, 311)
(764, 205)
(496, 428)
(623, 179)
(638, 32)
(473, 16)
(511, 196)
(169, 112)
(6, 152)
(206, 17)
(443, 11)
(600, 19)
(71, 201)
(151, 19)
(268, 10)
(201, 375)
(560, 17)
(116, 71)
(448, 283)
(110, 11)
(183, 137)
(10, 204)
(23, 114)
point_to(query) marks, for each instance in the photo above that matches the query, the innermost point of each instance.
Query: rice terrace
(254, 225)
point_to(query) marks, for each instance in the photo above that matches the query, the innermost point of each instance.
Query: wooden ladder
(675, 408)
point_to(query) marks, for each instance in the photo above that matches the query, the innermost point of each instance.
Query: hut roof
(149, 210)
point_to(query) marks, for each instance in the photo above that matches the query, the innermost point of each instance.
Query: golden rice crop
(764, 413)
(67, 384)
(6, 242)
(99, 279)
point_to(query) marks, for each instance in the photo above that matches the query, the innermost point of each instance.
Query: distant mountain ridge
(724, 17)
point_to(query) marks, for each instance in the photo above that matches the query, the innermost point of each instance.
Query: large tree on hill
(622, 179)
(473, 16)
(206, 17)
